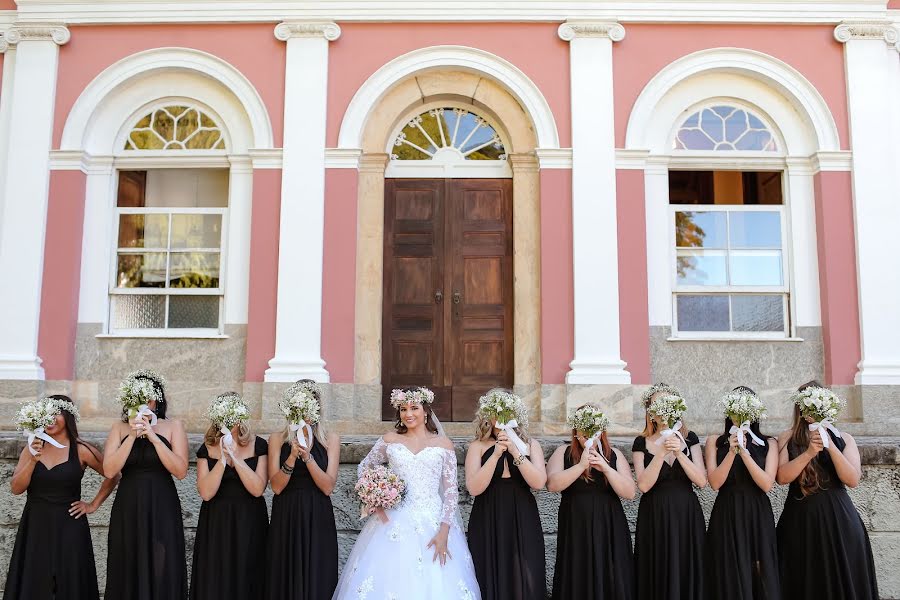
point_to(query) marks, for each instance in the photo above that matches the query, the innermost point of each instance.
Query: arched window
(723, 127)
(448, 133)
(175, 128)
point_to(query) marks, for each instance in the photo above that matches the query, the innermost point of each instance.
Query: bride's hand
(439, 541)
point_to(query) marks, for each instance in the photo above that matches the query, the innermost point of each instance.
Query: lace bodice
(430, 477)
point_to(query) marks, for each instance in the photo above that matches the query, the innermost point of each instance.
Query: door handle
(438, 297)
(456, 297)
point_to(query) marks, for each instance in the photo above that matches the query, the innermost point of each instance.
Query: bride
(422, 536)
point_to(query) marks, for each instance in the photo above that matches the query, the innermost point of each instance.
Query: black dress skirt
(146, 533)
(302, 546)
(668, 543)
(53, 558)
(230, 547)
(505, 537)
(741, 561)
(823, 546)
(593, 545)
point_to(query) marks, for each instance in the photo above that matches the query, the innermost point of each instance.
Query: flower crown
(228, 409)
(504, 406)
(589, 419)
(656, 388)
(420, 395)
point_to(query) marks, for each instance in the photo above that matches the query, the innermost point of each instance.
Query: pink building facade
(571, 199)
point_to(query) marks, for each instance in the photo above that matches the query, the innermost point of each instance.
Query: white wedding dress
(390, 561)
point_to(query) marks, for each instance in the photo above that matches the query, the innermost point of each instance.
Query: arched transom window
(177, 127)
(448, 133)
(724, 127)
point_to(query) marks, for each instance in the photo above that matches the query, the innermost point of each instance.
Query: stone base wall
(877, 499)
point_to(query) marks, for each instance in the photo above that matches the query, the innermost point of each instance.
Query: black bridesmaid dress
(593, 546)
(505, 537)
(668, 544)
(741, 561)
(146, 533)
(302, 547)
(823, 546)
(53, 558)
(230, 547)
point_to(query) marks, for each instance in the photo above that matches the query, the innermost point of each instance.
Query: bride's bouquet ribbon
(669, 432)
(40, 435)
(821, 426)
(300, 429)
(742, 431)
(510, 428)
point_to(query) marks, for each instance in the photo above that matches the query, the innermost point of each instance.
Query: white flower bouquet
(590, 421)
(137, 391)
(35, 416)
(509, 413)
(669, 408)
(822, 406)
(227, 410)
(301, 409)
(744, 408)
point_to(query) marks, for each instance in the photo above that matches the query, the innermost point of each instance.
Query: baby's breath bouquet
(669, 408)
(822, 406)
(590, 421)
(301, 409)
(744, 408)
(137, 391)
(35, 416)
(508, 411)
(227, 410)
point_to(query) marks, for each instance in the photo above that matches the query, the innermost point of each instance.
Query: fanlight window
(724, 128)
(446, 132)
(176, 128)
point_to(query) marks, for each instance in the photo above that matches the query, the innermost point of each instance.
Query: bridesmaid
(146, 534)
(230, 547)
(593, 548)
(668, 547)
(741, 559)
(302, 554)
(505, 535)
(53, 558)
(823, 546)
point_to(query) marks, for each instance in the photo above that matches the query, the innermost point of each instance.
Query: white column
(9, 62)
(97, 240)
(298, 328)
(237, 260)
(870, 64)
(25, 191)
(595, 236)
(801, 223)
(659, 241)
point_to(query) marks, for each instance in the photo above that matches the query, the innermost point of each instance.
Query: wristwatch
(520, 460)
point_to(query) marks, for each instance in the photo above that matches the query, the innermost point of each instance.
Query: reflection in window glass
(700, 229)
(755, 229)
(760, 268)
(702, 269)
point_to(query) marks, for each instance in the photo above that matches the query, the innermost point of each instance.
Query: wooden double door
(448, 290)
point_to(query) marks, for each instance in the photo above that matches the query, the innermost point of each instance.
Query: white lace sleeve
(376, 456)
(449, 488)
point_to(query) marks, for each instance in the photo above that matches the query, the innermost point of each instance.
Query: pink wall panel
(634, 318)
(62, 274)
(264, 236)
(535, 48)
(339, 275)
(557, 281)
(811, 49)
(250, 48)
(837, 276)
(8, 5)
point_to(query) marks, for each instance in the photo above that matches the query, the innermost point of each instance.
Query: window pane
(194, 270)
(761, 267)
(143, 231)
(700, 229)
(141, 270)
(138, 312)
(196, 231)
(757, 313)
(702, 313)
(193, 311)
(699, 268)
(755, 229)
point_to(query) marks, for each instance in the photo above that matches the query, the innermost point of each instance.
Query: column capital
(524, 162)
(570, 30)
(373, 162)
(308, 29)
(866, 30)
(25, 32)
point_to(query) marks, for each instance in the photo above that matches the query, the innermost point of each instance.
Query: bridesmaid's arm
(764, 478)
(533, 469)
(693, 466)
(175, 460)
(717, 473)
(116, 450)
(209, 480)
(326, 480)
(256, 481)
(278, 478)
(647, 476)
(619, 479)
(846, 463)
(558, 477)
(789, 470)
(478, 476)
(91, 457)
(21, 478)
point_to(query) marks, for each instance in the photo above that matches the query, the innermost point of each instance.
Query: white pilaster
(659, 241)
(237, 259)
(870, 64)
(595, 233)
(97, 240)
(25, 191)
(803, 268)
(9, 62)
(298, 328)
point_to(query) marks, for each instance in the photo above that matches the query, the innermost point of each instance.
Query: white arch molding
(447, 57)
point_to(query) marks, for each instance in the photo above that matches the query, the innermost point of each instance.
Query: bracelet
(520, 460)
(286, 469)
(307, 459)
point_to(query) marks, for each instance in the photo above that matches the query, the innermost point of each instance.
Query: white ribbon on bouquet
(299, 429)
(669, 432)
(40, 435)
(510, 429)
(226, 444)
(741, 431)
(589, 443)
(821, 426)
(144, 411)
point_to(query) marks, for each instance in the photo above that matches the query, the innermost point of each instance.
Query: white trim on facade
(554, 158)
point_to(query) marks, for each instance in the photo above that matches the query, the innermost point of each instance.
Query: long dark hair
(400, 426)
(754, 426)
(161, 403)
(812, 476)
(72, 427)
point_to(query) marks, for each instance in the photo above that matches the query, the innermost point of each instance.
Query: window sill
(733, 339)
(163, 336)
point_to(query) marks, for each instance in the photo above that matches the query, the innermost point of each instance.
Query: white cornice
(342, 158)
(635, 11)
(554, 158)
